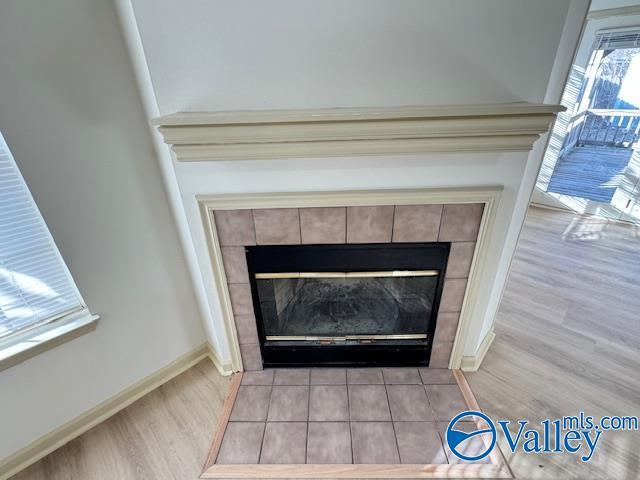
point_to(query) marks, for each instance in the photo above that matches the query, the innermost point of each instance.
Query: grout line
(440, 223)
(435, 424)
(266, 420)
(393, 224)
(255, 230)
(346, 225)
(346, 379)
(306, 443)
(433, 412)
(393, 426)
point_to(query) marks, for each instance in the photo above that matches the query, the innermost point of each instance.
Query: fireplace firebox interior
(347, 305)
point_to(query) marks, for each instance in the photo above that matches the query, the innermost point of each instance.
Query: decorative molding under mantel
(244, 135)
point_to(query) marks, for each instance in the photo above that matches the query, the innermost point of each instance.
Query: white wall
(71, 114)
(255, 54)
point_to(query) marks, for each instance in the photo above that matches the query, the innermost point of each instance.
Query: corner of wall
(128, 24)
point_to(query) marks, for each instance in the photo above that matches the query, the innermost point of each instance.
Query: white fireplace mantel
(268, 134)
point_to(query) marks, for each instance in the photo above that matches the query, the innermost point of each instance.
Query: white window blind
(35, 285)
(611, 40)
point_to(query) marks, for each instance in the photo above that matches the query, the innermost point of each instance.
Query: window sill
(22, 347)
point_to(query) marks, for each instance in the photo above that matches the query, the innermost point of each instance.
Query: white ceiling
(256, 54)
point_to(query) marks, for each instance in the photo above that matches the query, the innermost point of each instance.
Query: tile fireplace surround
(455, 223)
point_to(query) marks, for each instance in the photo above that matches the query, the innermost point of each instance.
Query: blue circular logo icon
(459, 440)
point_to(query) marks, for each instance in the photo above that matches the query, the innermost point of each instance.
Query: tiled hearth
(455, 223)
(324, 418)
(332, 416)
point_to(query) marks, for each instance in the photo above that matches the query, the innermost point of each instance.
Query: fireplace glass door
(346, 306)
(359, 305)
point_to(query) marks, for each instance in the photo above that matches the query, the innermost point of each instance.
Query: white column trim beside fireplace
(487, 195)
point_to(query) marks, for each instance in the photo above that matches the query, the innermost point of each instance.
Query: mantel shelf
(269, 134)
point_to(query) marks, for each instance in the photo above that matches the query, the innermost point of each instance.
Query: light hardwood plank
(164, 435)
(568, 339)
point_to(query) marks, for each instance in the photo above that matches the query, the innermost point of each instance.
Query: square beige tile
(374, 442)
(460, 258)
(399, 375)
(460, 222)
(246, 329)
(329, 443)
(416, 223)
(419, 442)
(369, 224)
(284, 442)
(368, 403)
(453, 294)
(289, 404)
(437, 376)
(409, 403)
(328, 376)
(440, 355)
(292, 376)
(234, 227)
(364, 376)
(263, 377)
(241, 443)
(328, 403)
(241, 301)
(252, 404)
(235, 264)
(446, 401)
(277, 226)
(323, 225)
(446, 327)
(251, 357)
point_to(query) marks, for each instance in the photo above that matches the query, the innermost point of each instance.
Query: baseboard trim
(80, 424)
(225, 368)
(473, 362)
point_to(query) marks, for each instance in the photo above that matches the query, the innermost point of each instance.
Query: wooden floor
(164, 435)
(592, 173)
(568, 338)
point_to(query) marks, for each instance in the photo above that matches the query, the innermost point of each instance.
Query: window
(35, 286)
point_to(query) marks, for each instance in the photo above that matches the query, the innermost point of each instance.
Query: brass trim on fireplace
(344, 338)
(380, 274)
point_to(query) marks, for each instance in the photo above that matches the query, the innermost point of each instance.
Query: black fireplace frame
(347, 258)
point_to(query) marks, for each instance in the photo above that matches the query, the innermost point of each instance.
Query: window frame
(46, 333)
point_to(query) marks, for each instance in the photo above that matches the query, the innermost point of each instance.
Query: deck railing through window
(604, 127)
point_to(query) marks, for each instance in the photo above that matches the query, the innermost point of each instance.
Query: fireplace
(352, 304)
